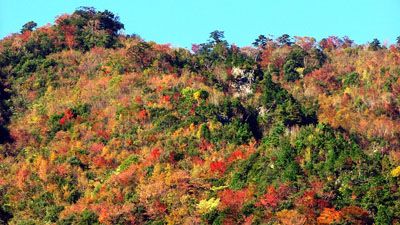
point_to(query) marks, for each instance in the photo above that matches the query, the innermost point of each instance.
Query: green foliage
(54, 124)
(285, 39)
(375, 45)
(126, 163)
(236, 132)
(283, 107)
(29, 26)
(290, 72)
(351, 79)
(85, 218)
(105, 34)
(52, 213)
(294, 60)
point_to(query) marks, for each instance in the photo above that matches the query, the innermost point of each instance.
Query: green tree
(285, 39)
(261, 41)
(217, 36)
(375, 45)
(29, 26)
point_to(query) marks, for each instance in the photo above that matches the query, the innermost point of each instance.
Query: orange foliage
(291, 217)
(126, 176)
(21, 177)
(355, 215)
(329, 216)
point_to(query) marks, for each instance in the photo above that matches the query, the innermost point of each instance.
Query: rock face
(243, 80)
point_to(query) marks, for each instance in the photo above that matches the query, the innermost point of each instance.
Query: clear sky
(183, 22)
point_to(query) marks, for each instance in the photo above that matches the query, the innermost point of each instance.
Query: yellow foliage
(206, 206)
(395, 172)
(197, 171)
(300, 70)
(307, 157)
(176, 216)
(43, 168)
(197, 95)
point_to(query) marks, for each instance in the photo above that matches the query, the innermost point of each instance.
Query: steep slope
(104, 128)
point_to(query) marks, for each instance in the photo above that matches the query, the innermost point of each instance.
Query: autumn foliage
(99, 127)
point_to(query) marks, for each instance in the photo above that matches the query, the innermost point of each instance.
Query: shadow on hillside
(5, 114)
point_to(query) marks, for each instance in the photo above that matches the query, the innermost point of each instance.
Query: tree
(398, 41)
(285, 39)
(261, 41)
(141, 55)
(347, 42)
(110, 22)
(290, 73)
(375, 45)
(93, 28)
(305, 43)
(29, 26)
(217, 36)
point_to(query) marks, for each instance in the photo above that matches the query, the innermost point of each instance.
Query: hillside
(99, 127)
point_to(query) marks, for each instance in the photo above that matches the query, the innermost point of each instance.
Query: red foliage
(69, 31)
(104, 134)
(248, 220)
(229, 71)
(166, 98)
(68, 115)
(271, 198)
(233, 199)
(96, 147)
(59, 20)
(100, 162)
(26, 35)
(159, 208)
(218, 167)
(274, 196)
(305, 43)
(331, 43)
(266, 57)
(198, 161)
(205, 145)
(138, 100)
(236, 155)
(162, 47)
(155, 154)
(176, 96)
(142, 115)
(159, 88)
(63, 121)
(310, 201)
(61, 170)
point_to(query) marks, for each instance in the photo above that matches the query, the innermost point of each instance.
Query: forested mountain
(100, 127)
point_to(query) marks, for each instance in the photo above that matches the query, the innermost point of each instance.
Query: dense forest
(101, 127)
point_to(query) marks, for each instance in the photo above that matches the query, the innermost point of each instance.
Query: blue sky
(183, 22)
